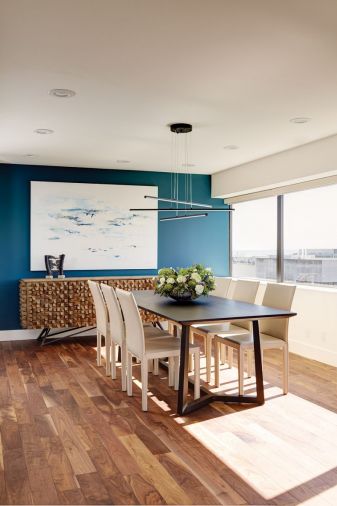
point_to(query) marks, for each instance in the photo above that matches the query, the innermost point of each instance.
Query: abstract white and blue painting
(93, 226)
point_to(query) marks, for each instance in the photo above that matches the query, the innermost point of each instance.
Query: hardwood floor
(70, 436)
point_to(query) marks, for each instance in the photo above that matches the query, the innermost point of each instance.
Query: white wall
(311, 161)
(313, 333)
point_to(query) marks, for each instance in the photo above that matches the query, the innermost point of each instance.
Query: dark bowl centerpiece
(186, 284)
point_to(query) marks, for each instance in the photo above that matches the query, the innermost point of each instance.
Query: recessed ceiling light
(123, 161)
(188, 165)
(299, 120)
(62, 93)
(44, 131)
(231, 147)
(29, 154)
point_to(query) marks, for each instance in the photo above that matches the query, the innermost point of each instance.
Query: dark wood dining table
(210, 309)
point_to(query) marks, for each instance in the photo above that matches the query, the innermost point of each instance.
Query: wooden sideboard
(65, 303)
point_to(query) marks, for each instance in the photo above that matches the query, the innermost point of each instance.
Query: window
(308, 225)
(254, 239)
(310, 236)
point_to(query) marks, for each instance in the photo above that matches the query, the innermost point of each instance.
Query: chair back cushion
(134, 331)
(245, 291)
(221, 286)
(278, 296)
(100, 308)
(116, 322)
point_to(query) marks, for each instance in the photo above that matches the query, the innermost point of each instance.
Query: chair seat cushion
(246, 340)
(152, 332)
(169, 344)
(221, 328)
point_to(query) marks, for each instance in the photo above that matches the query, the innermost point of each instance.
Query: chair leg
(208, 358)
(190, 358)
(99, 348)
(144, 379)
(241, 367)
(129, 374)
(176, 373)
(171, 371)
(156, 366)
(123, 366)
(223, 354)
(217, 362)
(108, 355)
(285, 369)
(113, 361)
(197, 374)
(150, 365)
(230, 357)
(250, 363)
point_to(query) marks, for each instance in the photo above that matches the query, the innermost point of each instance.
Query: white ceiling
(238, 70)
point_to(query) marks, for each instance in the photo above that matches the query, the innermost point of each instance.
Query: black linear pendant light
(187, 200)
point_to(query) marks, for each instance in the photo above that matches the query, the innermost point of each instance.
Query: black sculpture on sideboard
(54, 264)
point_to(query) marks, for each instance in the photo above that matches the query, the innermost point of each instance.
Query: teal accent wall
(180, 243)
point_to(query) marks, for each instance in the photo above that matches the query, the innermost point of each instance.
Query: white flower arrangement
(185, 284)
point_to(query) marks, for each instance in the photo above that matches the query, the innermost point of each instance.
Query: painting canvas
(92, 225)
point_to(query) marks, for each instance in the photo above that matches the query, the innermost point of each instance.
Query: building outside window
(254, 239)
(310, 236)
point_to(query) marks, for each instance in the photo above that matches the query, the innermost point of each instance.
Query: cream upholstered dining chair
(117, 332)
(116, 329)
(273, 333)
(244, 291)
(102, 325)
(147, 349)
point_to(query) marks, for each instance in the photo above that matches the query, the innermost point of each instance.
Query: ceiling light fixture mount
(181, 128)
(62, 93)
(43, 131)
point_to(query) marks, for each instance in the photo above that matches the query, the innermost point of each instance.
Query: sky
(310, 221)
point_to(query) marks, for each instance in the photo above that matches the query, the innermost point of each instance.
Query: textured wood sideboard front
(63, 303)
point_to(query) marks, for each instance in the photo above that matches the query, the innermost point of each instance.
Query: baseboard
(27, 334)
(313, 352)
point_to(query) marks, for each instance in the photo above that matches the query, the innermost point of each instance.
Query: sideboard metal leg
(43, 335)
(80, 330)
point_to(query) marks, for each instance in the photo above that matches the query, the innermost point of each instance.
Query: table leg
(258, 363)
(183, 369)
(185, 407)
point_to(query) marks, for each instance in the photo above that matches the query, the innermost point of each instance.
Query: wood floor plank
(3, 492)
(154, 472)
(71, 497)
(59, 464)
(72, 442)
(144, 490)
(124, 461)
(186, 479)
(16, 477)
(39, 474)
(93, 489)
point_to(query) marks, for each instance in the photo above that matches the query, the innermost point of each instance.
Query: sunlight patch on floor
(276, 447)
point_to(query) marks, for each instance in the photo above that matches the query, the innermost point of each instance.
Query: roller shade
(281, 190)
